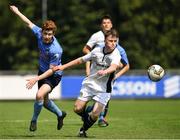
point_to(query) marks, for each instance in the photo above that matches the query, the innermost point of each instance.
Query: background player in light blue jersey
(98, 39)
(50, 55)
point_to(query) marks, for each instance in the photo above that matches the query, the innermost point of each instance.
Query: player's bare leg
(102, 122)
(79, 108)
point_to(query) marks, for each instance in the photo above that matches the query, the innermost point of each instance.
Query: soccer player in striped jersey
(98, 39)
(50, 56)
(98, 85)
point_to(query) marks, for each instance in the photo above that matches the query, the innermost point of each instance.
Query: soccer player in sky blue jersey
(98, 39)
(50, 53)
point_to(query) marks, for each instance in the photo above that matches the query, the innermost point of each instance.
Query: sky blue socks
(37, 109)
(51, 106)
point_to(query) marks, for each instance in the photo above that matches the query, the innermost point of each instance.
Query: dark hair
(106, 17)
(112, 32)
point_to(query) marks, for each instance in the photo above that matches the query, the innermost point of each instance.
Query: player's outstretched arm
(109, 70)
(70, 64)
(32, 81)
(23, 18)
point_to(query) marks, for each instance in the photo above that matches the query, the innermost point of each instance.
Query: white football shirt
(96, 39)
(100, 61)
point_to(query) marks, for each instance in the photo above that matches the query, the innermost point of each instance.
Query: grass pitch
(128, 119)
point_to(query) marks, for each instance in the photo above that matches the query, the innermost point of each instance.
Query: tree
(149, 30)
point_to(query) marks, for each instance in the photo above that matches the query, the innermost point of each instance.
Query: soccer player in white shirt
(98, 85)
(98, 39)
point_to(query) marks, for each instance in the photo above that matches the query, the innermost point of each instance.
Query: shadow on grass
(77, 137)
(37, 136)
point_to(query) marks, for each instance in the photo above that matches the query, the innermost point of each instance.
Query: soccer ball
(155, 73)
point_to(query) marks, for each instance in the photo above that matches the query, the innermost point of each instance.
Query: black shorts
(52, 81)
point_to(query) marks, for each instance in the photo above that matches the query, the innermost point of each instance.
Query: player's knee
(77, 109)
(95, 114)
(39, 97)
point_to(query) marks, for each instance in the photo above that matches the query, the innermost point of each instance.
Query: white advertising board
(13, 87)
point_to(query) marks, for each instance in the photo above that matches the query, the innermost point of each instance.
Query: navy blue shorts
(52, 81)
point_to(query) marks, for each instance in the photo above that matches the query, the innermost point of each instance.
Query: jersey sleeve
(37, 31)
(124, 58)
(90, 55)
(92, 41)
(87, 57)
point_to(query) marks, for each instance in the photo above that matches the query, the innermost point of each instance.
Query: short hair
(49, 25)
(106, 17)
(112, 32)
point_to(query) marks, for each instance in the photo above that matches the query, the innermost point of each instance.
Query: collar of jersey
(107, 52)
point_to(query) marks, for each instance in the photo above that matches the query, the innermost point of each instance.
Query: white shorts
(88, 94)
